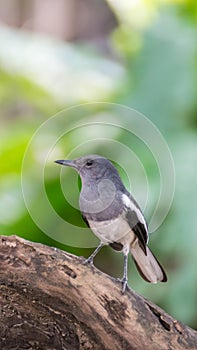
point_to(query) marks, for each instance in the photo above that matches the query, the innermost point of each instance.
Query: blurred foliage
(154, 70)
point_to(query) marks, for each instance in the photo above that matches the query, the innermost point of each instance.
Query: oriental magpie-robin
(114, 216)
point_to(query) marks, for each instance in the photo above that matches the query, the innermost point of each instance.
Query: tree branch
(50, 300)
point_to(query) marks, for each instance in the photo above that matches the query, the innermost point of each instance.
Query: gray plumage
(114, 215)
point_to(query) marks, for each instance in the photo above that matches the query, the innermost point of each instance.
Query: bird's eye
(89, 163)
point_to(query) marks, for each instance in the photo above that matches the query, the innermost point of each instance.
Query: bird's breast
(100, 206)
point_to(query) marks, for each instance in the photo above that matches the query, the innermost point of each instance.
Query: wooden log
(50, 300)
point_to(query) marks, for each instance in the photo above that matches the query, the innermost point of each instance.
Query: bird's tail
(147, 264)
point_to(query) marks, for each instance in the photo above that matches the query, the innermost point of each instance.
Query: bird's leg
(125, 279)
(92, 256)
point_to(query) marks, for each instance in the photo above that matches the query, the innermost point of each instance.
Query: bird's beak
(66, 162)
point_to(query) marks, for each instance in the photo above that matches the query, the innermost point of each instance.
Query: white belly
(116, 230)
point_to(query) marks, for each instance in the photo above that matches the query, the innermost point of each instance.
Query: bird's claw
(88, 261)
(124, 281)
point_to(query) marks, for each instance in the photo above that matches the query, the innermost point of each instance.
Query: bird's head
(90, 166)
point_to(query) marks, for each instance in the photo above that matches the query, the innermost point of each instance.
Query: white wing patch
(131, 205)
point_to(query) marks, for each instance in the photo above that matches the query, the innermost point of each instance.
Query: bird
(114, 216)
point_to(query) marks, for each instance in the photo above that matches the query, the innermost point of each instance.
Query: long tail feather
(148, 265)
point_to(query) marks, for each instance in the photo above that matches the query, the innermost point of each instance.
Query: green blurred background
(141, 54)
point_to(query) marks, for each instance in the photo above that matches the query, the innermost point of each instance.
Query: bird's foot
(88, 261)
(92, 256)
(124, 281)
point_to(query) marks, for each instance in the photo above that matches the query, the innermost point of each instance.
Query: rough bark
(50, 300)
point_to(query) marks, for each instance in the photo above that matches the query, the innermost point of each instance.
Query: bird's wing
(136, 220)
(85, 220)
